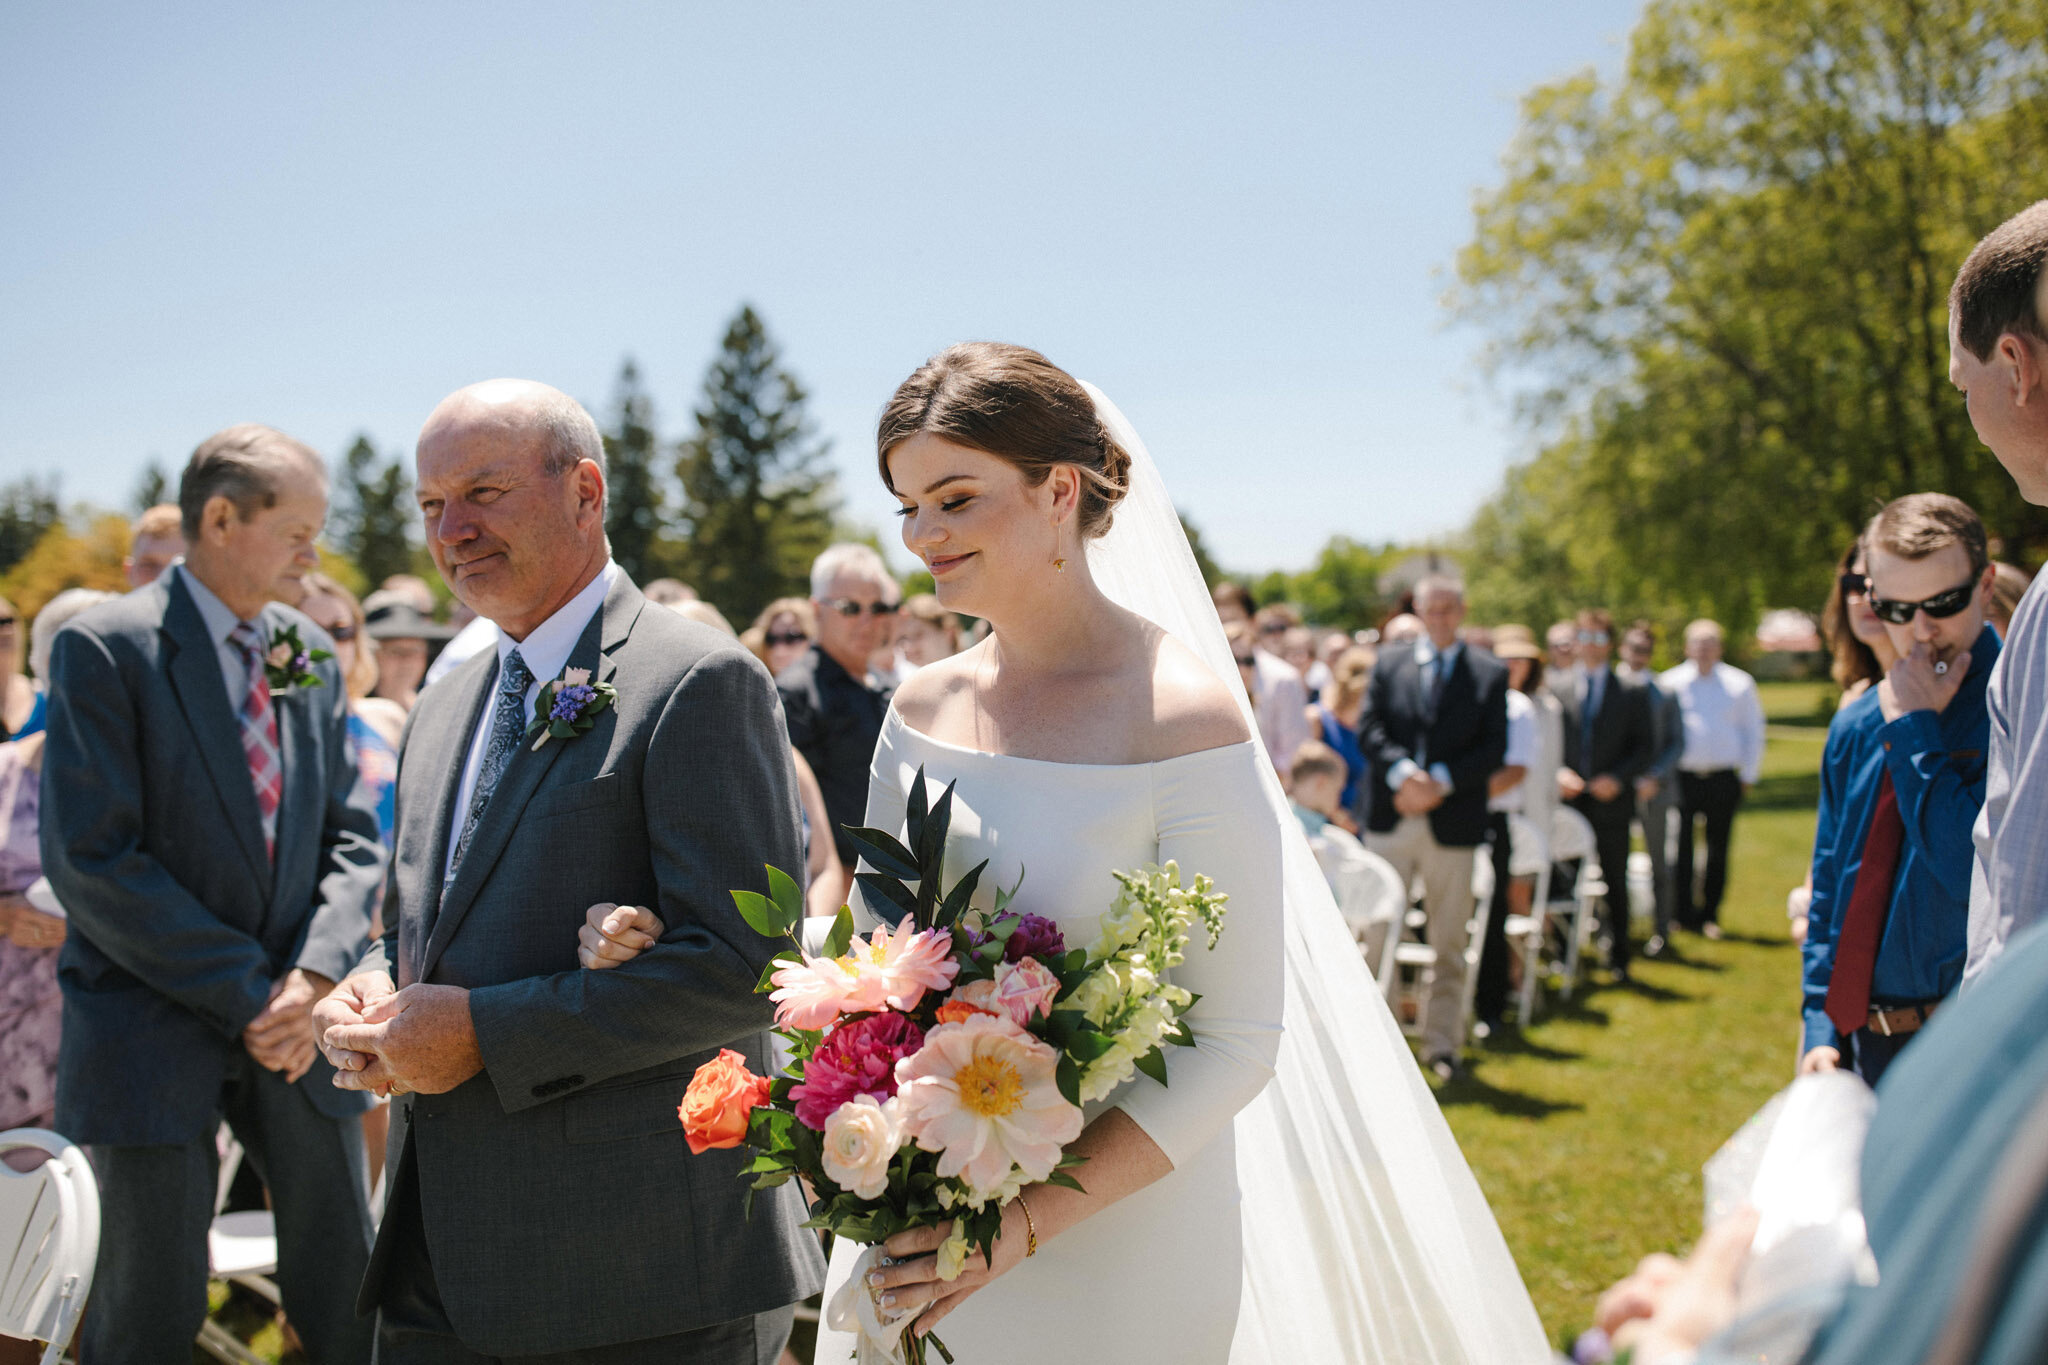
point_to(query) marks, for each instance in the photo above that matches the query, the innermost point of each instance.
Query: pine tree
(757, 505)
(28, 508)
(634, 492)
(151, 488)
(373, 513)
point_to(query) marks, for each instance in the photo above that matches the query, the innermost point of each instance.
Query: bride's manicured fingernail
(888, 1300)
(875, 1278)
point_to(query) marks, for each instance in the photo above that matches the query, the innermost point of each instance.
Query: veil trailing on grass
(1365, 1237)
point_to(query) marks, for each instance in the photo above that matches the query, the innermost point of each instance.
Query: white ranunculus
(861, 1138)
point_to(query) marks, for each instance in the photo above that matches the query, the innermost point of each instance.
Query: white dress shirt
(1724, 719)
(546, 650)
(1280, 701)
(220, 622)
(1524, 742)
(1426, 664)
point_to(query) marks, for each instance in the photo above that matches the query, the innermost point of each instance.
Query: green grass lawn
(1588, 1132)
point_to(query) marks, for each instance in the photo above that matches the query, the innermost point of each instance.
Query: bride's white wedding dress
(1323, 1216)
(1154, 1277)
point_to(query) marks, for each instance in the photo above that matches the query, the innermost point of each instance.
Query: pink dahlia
(985, 1096)
(857, 1058)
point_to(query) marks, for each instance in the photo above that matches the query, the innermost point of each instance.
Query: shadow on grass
(1509, 1041)
(1469, 1088)
(1756, 940)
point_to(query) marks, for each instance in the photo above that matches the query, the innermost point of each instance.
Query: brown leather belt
(1904, 1019)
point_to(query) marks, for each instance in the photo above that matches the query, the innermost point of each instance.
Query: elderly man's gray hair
(571, 435)
(1438, 583)
(848, 560)
(55, 615)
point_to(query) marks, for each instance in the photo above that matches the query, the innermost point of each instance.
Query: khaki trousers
(1447, 900)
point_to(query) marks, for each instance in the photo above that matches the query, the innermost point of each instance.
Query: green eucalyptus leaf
(788, 898)
(1064, 1181)
(841, 937)
(759, 913)
(1153, 1064)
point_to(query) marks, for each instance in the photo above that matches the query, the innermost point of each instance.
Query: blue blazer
(152, 839)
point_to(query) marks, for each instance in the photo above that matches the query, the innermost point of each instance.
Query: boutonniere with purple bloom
(288, 664)
(568, 706)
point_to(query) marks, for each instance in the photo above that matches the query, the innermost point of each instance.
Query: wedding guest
(702, 612)
(1402, 628)
(405, 638)
(202, 834)
(1298, 650)
(2009, 583)
(408, 588)
(1315, 782)
(1279, 697)
(1657, 788)
(1998, 357)
(473, 635)
(882, 661)
(374, 723)
(1520, 797)
(667, 592)
(1436, 730)
(834, 715)
(782, 632)
(1724, 755)
(1336, 720)
(22, 703)
(1328, 648)
(1608, 744)
(1561, 656)
(1859, 650)
(155, 540)
(925, 633)
(1239, 635)
(1902, 782)
(31, 1006)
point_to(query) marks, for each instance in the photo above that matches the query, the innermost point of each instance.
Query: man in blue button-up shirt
(1926, 726)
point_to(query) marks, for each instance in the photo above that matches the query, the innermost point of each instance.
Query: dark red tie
(1848, 1001)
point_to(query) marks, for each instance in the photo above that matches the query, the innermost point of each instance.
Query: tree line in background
(1717, 285)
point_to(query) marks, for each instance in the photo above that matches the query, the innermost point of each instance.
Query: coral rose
(857, 1058)
(985, 1096)
(722, 1096)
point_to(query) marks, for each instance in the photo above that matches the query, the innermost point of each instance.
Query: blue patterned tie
(508, 727)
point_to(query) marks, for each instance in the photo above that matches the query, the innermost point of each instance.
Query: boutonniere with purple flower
(568, 706)
(288, 664)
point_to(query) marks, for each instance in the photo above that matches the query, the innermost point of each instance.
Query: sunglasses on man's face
(846, 606)
(8, 622)
(1593, 637)
(1940, 606)
(341, 635)
(1246, 661)
(795, 637)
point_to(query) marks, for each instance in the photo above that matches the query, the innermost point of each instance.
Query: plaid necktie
(508, 727)
(259, 735)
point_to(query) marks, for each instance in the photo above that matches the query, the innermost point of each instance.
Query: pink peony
(857, 1058)
(985, 1097)
(891, 969)
(1018, 990)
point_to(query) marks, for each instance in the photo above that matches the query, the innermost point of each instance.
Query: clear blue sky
(1236, 219)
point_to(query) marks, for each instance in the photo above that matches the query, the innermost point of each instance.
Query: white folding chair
(1528, 856)
(1571, 840)
(50, 1220)
(1368, 893)
(1420, 958)
(242, 1249)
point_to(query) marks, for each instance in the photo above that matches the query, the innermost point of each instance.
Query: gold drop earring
(1059, 563)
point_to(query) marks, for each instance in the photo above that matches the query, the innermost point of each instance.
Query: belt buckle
(1884, 1022)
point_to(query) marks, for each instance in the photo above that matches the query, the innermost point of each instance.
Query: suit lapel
(298, 751)
(525, 771)
(203, 696)
(471, 687)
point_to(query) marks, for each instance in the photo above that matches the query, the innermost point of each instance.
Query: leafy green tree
(373, 513)
(1340, 589)
(152, 486)
(28, 508)
(635, 495)
(1719, 287)
(757, 502)
(1211, 573)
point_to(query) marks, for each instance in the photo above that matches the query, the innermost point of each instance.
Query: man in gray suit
(543, 1202)
(198, 826)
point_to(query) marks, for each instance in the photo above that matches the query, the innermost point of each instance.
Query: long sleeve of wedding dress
(1156, 1276)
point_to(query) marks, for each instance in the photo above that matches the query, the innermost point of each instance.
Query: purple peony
(858, 1058)
(1034, 936)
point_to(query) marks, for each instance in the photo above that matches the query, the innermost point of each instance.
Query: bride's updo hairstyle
(1012, 403)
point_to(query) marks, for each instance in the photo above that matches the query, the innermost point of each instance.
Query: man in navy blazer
(199, 826)
(1436, 728)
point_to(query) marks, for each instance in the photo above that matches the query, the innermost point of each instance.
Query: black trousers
(1870, 1053)
(413, 1328)
(156, 1204)
(1610, 821)
(1490, 992)
(1715, 796)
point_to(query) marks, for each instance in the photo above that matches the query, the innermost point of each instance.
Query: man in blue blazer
(199, 827)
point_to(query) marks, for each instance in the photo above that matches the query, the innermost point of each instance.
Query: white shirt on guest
(1523, 746)
(1280, 700)
(546, 650)
(1724, 719)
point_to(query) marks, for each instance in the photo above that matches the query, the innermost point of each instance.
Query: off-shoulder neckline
(895, 717)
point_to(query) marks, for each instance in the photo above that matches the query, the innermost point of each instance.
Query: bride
(1293, 1193)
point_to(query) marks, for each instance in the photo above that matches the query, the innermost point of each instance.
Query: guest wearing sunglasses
(782, 633)
(21, 701)
(834, 714)
(1902, 782)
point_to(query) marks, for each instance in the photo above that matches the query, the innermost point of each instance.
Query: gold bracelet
(1030, 1229)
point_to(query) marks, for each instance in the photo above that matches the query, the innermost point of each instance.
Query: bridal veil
(1366, 1238)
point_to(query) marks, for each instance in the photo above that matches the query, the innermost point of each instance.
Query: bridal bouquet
(939, 1066)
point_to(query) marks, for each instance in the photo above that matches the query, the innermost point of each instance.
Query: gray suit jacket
(152, 839)
(562, 1207)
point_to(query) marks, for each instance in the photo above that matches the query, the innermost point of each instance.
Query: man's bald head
(511, 483)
